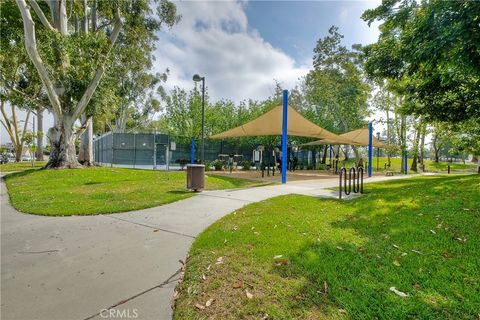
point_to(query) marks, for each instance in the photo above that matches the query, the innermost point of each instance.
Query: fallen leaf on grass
(395, 262)
(278, 256)
(398, 293)
(200, 306)
(433, 231)
(282, 262)
(404, 254)
(249, 295)
(204, 277)
(416, 251)
(219, 260)
(416, 286)
(209, 302)
(339, 248)
(342, 311)
(395, 246)
(237, 285)
(176, 295)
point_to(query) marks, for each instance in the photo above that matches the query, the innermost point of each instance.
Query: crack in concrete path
(169, 280)
(224, 197)
(149, 226)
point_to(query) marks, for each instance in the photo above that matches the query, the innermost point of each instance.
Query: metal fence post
(113, 149)
(167, 154)
(134, 150)
(155, 150)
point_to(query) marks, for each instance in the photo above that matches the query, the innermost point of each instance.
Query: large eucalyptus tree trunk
(62, 142)
(39, 151)
(85, 153)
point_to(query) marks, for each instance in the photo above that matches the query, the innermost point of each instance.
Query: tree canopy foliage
(430, 50)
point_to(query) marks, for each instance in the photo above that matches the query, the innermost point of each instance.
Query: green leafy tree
(336, 90)
(21, 87)
(72, 60)
(432, 50)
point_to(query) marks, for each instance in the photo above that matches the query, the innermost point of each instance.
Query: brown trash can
(195, 176)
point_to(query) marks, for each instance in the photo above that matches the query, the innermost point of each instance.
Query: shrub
(246, 165)
(208, 165)
(218, 164)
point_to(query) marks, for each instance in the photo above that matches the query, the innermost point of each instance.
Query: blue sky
(241, 47)
(295, 26)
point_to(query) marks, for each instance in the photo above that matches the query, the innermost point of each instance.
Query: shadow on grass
(181, 192)
(21, 173)
(393, 219)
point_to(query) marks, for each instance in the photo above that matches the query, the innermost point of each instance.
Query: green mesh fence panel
(148, 150)
(144, 145)
(124, 149)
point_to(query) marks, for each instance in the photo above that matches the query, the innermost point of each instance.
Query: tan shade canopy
(270, 124)
(357, 137)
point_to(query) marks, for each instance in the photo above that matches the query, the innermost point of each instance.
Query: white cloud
(343, 14)
(213, 40)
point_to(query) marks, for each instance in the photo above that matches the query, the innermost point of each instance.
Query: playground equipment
(355, 181)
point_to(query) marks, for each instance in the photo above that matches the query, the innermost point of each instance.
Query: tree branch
(82, 104)
(22, 139)
(7, 124)
(31, 47)
(29, 97)
(15, 124)
(103, 25)
(41, 15)
(83, 127)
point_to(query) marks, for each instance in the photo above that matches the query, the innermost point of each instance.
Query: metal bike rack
(355, 181)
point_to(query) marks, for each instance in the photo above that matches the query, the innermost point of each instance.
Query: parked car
(26, 158)
(4, 158)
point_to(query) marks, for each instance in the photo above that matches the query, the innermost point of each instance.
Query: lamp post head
(197, 78)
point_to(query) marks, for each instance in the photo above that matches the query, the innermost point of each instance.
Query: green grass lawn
(102, 190)
(21, 166)
(301, 257)
(430, 165)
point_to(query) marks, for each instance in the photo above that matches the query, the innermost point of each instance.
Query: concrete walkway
(79, 267)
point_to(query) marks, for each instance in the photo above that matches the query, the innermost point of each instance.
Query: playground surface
(295, 176)
(78, 267)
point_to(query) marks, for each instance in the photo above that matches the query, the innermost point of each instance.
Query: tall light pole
(197, 78)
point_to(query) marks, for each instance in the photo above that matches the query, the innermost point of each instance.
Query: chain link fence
(160, 151)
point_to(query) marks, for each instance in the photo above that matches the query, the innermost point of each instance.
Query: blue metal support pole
(370, 148)
(192, 150)
(405, 162)
(284, 136)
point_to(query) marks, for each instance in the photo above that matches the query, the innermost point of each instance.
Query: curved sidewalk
(84, 267)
